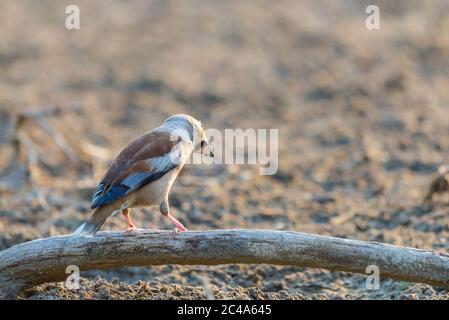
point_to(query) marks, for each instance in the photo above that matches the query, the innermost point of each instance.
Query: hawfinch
(143, 172)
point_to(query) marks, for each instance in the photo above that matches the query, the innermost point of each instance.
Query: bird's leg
(164, 208)
(126, 213)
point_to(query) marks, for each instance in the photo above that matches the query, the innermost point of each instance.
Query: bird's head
(194, 129)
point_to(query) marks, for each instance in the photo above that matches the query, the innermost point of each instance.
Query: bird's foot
(180, 228)
(177, 230)
(131, 229)
(131, 226)
(178, 224)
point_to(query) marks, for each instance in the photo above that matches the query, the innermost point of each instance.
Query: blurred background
(362, 117)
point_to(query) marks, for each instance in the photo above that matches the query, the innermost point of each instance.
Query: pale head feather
(184, 126)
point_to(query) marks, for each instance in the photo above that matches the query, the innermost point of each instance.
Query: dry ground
(363, 120)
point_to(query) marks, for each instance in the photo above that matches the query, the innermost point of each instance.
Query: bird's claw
(177, 230)
(131, 230)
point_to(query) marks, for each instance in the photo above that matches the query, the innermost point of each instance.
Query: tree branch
(45, 260)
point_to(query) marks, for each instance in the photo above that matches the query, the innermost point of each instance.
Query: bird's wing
(144, 160)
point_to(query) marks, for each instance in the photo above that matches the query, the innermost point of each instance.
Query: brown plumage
(133, 157)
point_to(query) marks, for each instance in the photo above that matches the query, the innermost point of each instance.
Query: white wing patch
(177, 155)
(158, 167)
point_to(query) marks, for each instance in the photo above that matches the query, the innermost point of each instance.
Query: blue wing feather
(131, 183)
(101, 198)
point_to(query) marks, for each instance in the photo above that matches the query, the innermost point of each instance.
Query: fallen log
(45, 260)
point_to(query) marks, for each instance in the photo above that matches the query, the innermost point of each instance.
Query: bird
(143, 173)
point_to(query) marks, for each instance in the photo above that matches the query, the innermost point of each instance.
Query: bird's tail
(95, 222)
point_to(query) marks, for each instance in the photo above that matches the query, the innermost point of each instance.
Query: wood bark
(45, 260)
